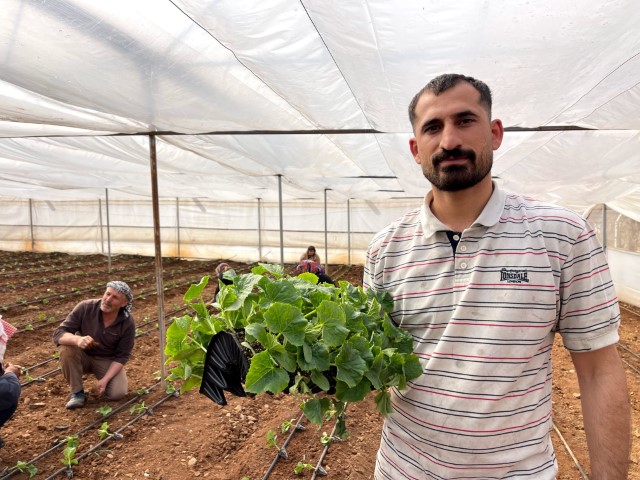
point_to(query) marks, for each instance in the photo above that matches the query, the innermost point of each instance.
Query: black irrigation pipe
(70, 276)
(116, 435)
(570, 452)
(41, 378)
(96, 287)
(168, 286)
(282, 452)
(319, 470)
(60, 443)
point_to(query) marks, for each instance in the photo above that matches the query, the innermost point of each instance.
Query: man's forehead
(115, 293)
(459, 98)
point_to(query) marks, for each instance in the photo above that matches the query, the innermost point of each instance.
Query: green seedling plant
(104, 410)
(69, 453)
(286, 425)
(103, 431)
(24, 467)
(301, 466)
(137, 409)
(304, 338)
(272, 441)
(27, 376)
(326, 439)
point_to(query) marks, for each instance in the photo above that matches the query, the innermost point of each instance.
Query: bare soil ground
(189, 436)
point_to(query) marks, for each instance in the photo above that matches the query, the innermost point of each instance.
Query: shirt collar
(489, 216)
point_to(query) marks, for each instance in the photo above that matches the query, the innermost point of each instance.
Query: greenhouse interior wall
(250, 231)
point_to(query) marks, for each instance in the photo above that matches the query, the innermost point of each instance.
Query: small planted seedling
(301, 466)
(137, 408)
(326, 439)
(170, 389)
(27, 376)
(104, 432)
(142, 391)
(24, 467)
(272, 441)
(286, 425)
(28, 327)
(56, 355)
(104, 410)
(69, 453)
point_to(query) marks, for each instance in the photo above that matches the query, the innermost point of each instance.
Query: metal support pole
(101, 228)
(33, 240)
(348, 231)
(158, 251)
(281, 220)
(326, 239)
(178, 225)
(259, 231)
(106, 194)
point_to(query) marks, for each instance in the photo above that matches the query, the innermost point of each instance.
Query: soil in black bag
(225, 368)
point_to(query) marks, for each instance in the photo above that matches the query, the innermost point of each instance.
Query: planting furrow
(139, 411)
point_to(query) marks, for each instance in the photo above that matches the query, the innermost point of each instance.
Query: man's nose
(450, 138)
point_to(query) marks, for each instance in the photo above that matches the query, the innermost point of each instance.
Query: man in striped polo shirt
(483, 279)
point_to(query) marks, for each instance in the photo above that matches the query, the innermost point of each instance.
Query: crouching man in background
(98, 337)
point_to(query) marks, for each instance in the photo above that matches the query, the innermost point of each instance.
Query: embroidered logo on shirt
(514, 276)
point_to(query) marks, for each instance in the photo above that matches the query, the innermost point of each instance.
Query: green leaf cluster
(305, 337)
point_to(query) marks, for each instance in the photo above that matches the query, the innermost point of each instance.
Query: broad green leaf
(176, 335)
(313, 357)
(195, 290)
(350, 365)
(275, 270)
(315, 409)
(264, 376)
(285, 359)
(332, 320)
(281, 291)
(308, 277)
(287, 320)
(353, 394)
(320, 380)
(373, 374)
(412, 367)
(259, 332)
(383, 402)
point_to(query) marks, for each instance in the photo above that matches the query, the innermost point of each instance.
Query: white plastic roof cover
(313, 90)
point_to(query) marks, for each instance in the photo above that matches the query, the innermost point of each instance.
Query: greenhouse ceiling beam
(329, 131)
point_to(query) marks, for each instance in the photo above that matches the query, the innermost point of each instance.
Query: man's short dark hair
(444, 82)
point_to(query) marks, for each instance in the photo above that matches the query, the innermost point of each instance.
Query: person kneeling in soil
(97, 337)
(9, 375)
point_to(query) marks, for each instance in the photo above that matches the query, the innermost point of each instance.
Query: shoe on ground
(77, 400)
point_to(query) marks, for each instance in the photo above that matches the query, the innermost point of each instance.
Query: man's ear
(413, 146)
(497, 133)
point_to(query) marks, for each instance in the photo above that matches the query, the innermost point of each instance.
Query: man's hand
(86, 342)
(11, 368)
(101, 386)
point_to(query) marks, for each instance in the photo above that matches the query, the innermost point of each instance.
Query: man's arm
(605, 408)
(83, 342)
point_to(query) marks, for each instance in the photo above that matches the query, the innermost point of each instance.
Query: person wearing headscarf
(220, 269)
(9, 378)
(98, 337)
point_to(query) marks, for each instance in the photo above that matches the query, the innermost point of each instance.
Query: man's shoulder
(522, 206)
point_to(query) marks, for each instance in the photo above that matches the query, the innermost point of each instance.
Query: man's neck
(458, 210)
(108, 319)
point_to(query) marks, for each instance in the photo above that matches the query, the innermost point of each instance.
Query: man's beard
(453, 178)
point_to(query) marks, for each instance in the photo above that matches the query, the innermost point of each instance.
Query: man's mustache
(451, 154)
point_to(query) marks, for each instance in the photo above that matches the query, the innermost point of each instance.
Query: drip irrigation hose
(319, 470)
(41, 378)
(570, 452)
(117, 435)
(282, 453)
(60, 443)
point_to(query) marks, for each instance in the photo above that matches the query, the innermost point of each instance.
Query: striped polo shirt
(483, 320)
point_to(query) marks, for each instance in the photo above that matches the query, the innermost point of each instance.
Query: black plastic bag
(225, 368)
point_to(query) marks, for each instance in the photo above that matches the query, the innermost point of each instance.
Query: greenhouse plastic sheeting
(301, 100)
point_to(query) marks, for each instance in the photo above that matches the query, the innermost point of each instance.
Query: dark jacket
(114, 342)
